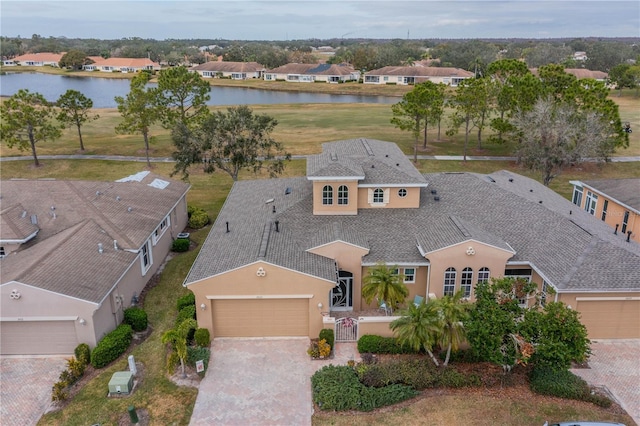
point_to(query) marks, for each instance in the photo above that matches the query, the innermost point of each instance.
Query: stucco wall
(411, 200)
(351, 208)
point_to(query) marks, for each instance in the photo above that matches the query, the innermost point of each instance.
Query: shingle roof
(625, 191)
(421, 71)
(554, 236)
(313, 69)
(73, 218)
(221, 66)
(15, 224)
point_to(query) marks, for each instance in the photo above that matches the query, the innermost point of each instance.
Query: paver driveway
(25, 388)
(264, 381)
(255, 382)
(616, 365)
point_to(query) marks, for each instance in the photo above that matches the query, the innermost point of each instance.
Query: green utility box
(121, 383)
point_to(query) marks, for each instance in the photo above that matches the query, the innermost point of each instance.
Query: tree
(419, 327)
(557, 334)
(554, 136)
(384, 284)
(27, 118)
(230, 141)
(183, 96)
(623, 75)
(452, 311)
(74, 59)
(74, 110)
(178, 339)
(139, 110)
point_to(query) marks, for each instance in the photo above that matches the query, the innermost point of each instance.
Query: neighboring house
(77, 253)
(285, 254)
(309, 73)
(39, 59)
(616, 202)
(233, 70)
(581, 73)
(416, 74)
(8, 63)
(124, 65)
(580, 56)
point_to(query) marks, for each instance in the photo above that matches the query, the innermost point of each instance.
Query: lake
(103, 90)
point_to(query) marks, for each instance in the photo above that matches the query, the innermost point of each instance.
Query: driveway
(25, 387)
(615, 364)
(260, 381)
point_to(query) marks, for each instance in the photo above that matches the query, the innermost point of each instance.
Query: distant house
(581, 73)
(39, 59)
(308, 73)
(75, 254)
(124, 65)
(580, 56)
(416, 74)
(616, 202)
(8, 63)
(233, 70)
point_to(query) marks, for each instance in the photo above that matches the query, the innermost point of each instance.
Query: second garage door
(38, 337)
(260, 317)
(610, 319)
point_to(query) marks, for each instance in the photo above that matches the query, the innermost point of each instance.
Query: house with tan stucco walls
(311, 73)
(75, 254)
(286, 257)
(232, 70)
(405, 75)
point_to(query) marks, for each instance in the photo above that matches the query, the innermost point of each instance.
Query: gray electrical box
(121, 383)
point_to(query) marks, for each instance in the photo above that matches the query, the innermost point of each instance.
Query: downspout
(428, 282)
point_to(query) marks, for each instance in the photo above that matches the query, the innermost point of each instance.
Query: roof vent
(397, 164)
(227, 227)
(24, 214)
(491, 179)
(34, 219)
(277, 223)
(273, 209)
(129, 209)
(373, 166)
(616, 231)
(386, 155)
(628, 235)
(436, 198)
(287, 191)
(540, 202)
(118, 198)
(100, 249)
(98, 193)
(531, 190)
(115, 245)
(510, 179)
(53, 208)
(433, 191)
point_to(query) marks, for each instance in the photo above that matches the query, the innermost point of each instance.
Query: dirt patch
(190, 378)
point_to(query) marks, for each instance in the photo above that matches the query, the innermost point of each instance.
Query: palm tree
(385, 284)
(419, 327)
(452, 311)
(178, 339)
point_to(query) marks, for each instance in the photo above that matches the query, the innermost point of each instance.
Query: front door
(342, 293)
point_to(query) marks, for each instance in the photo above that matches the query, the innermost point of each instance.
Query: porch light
(320, 306)
(203, 307)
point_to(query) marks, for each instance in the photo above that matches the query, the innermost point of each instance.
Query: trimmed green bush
(382, 345)
(199, 219)
(186, 313)
(180, 245)
(450, 378)
(136, 317)
(186, 300)
(83, 353)
(198, 353)
(561, 383)
(202, 337)
(327, 335)
(417, 373)
(112, 346)
(338, 388)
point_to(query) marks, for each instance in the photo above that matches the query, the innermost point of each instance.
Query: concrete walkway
(25, 387)
(261, 381)
(615, 364)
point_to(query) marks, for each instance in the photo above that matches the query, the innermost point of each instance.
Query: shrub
(319, 349)
(417, 373)
(382, 345)
(327, 335)
(190, 210)
(112, 346)
(199, 218)
(172, 362)
(196, 354)
(76, 370)
(188, 312)
(337, 388)
(186, 300)
(451, 378)
(202, 337)
(83, 353)
(180, 245)
(59, 392)
(560, 383)
(600, 400)
(136, 317)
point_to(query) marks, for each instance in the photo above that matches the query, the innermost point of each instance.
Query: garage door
(37, 337)
(611, 319)
(260, 317)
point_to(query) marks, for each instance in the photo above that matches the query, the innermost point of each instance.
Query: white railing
(346, 330)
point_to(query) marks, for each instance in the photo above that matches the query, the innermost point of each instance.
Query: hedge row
(382, 345)
(137, 318)
(564, 384)
(112, 346)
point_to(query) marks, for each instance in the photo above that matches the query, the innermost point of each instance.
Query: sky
(306, 19)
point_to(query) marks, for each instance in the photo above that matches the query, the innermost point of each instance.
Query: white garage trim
(596, 299)
(261, 296)
(38, 337)
(25, 319)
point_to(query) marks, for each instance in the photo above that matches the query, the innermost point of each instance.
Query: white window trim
(464, 286)
(576, 198)
(144, 267)
(160, 230)
(328, 199)
(591, 204)
(482, 272)
(453, 276)
(413, 275)
(343, 195)
(385, 197)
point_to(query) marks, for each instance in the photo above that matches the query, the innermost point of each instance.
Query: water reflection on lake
(103, 90)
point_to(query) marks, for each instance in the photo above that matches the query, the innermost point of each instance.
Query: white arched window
(378, 195)
(327, 195)
(343, 195)
(449, 281)
(483, 274)
(466, 281)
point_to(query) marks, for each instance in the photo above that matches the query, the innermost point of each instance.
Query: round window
(402, 192)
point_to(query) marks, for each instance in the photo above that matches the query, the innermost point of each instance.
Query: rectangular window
(591, 203)
(543, 293)
(466, 281)
(605, 206)
(483, 275)
(2, 252)
(343, 195)
(146, 259)
(409, 275)
(161, 229)
(577, 196)
(625, 221)
(327, 195)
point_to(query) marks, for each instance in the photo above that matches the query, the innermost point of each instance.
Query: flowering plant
(347, 322)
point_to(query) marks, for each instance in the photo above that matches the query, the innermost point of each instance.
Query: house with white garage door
(286, 254)
(75, 254)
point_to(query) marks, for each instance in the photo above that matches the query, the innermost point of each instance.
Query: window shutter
(370, 195)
